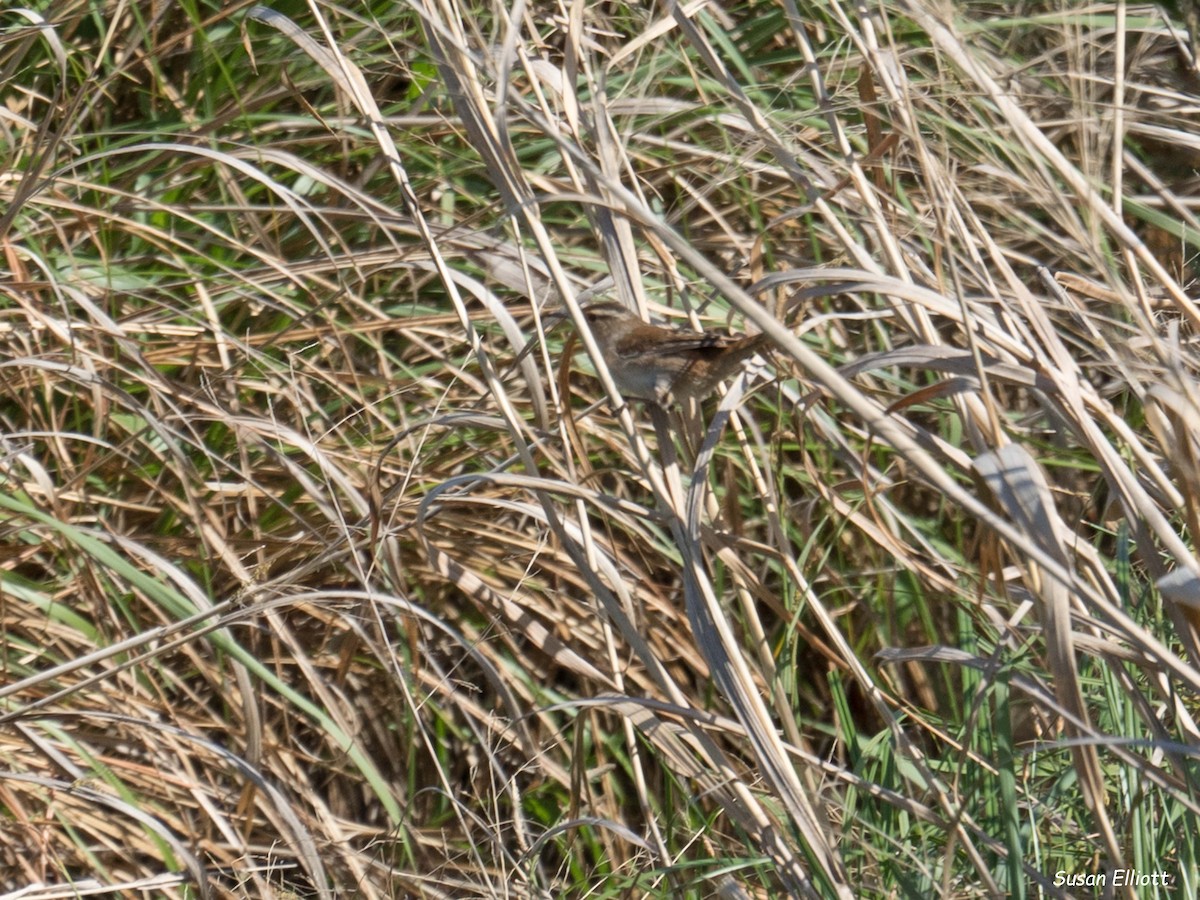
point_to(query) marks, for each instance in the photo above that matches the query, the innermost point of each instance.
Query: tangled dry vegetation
(328, 570)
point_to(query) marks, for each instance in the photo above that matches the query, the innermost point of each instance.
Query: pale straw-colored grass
(330, 571)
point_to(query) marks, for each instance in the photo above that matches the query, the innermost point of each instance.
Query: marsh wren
(664, 365)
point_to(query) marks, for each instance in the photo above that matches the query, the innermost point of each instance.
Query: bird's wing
(684, 341)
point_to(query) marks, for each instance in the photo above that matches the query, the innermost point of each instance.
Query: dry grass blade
(1021, 491)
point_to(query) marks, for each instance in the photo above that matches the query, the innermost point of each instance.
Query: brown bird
(664, 365)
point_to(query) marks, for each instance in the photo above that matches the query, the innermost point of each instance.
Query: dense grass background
(326, 570)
